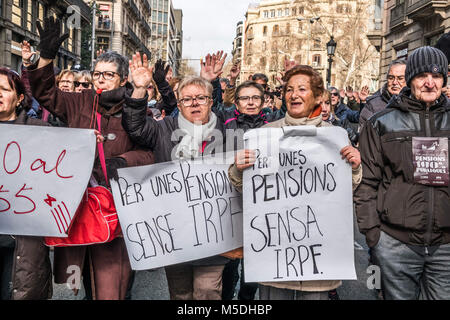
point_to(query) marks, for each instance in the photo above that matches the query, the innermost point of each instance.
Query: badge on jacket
(430, 158)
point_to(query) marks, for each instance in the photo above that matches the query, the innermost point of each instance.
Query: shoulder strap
(101, 152)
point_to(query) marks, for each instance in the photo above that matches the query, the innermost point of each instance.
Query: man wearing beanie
(403, 203)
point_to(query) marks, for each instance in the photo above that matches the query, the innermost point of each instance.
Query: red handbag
(96, 219)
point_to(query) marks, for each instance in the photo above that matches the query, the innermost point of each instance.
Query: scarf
(195, 135)
(314, 120)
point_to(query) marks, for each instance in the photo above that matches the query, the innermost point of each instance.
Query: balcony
(147, 6)
(132, 37)
(398, 16)
(103, 25)
(133, 8)
(420, 9)
(145, 26)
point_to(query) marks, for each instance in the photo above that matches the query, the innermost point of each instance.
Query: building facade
(275, 30)
(123, 26)
(18, 22)
(166, 24)
(237, 43)
(410, 24)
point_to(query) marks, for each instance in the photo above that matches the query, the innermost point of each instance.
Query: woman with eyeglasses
(107, 263)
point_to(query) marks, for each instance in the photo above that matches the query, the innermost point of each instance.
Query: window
(274, 46)
(103, 43)
(301, 10)
(264, 46)
(265, 31)
(294, 11)
(317, 43)
(286, 12)
(288, 28)
(263, 62)
(250, 47)
(280, 12)
(272, 13)
(316, 60)
(17, 7)
(286, 45)
(300, 26)
(276, 30)
(266, 14)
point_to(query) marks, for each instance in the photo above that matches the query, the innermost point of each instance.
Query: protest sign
(44, 172)
(176, 212)
(298, 218)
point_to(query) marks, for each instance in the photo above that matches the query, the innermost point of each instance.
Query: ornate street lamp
(331, 49)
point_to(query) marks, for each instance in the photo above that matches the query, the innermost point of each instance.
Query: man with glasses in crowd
(341, 110)
(379, 100)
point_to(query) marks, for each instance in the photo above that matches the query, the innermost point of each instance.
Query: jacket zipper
(430, 189)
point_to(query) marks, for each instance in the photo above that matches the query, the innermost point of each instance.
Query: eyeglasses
(84, 84)
(393, 78)
(107, 75)
(189, 101)
(246, 99)
(336, 94)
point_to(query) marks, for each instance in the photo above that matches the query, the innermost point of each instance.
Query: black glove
(50, 36)
(160, 73)
(112, 165)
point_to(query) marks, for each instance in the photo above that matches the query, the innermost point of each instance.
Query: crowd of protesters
(406, 222)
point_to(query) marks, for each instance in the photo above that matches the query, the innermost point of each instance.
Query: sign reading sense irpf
(176, 212)
(44, 172)
(298, 220)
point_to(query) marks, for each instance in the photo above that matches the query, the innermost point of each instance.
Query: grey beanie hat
(426, 59)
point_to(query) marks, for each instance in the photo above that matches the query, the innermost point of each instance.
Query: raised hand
(364, 93)
(160, 71)
(289, 64)
(27, 54)
(349, 92)
(342, 93)
(50, 37)
(219, 59)
(208, 67)
(234, 73)
(141, 74)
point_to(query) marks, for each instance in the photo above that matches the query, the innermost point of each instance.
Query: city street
(152, 285)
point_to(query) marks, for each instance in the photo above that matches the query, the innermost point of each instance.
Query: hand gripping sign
(44, 172)
(298, 217)
(177, 211)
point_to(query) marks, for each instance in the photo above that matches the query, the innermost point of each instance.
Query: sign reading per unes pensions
(44, 173)
(176, 212)
(298, 218)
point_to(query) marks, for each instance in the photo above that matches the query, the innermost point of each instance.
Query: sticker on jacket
(430, 158)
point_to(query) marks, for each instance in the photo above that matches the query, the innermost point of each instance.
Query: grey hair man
(402, 203)
(379, 100)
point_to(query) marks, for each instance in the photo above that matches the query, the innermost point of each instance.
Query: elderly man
(379, 100)
(402, 203)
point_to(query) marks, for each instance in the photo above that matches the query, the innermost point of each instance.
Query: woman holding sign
(303, 94)
(24, 260)
(99, 107)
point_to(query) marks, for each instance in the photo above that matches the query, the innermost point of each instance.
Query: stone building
(123, 26)
(410, 24)
(18, 22)
(299, 30)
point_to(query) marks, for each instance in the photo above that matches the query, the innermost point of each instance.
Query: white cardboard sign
(177, 212)
(44, 172)
(298, 218)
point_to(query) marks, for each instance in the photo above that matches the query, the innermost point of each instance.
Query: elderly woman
(108, 263)
(65, 81)
(200, 279)
(24, 260)
(303, 93)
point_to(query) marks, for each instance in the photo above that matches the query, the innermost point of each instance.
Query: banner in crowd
(44, 172)
(176, 212)
(298, 217)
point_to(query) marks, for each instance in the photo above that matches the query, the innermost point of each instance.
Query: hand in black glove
(159, 72)
(51, 38)
(112, 165)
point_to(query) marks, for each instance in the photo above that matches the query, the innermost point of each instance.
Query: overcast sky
(210, 25)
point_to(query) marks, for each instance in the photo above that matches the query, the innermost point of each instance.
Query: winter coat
(375, 103)
(388, 198)
(343, 112)
(31, 270)
(236, 178)
(77, 110)
(157, 135)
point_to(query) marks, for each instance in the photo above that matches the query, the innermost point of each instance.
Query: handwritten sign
(298, 220)
(176, 212)
(44, 172)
